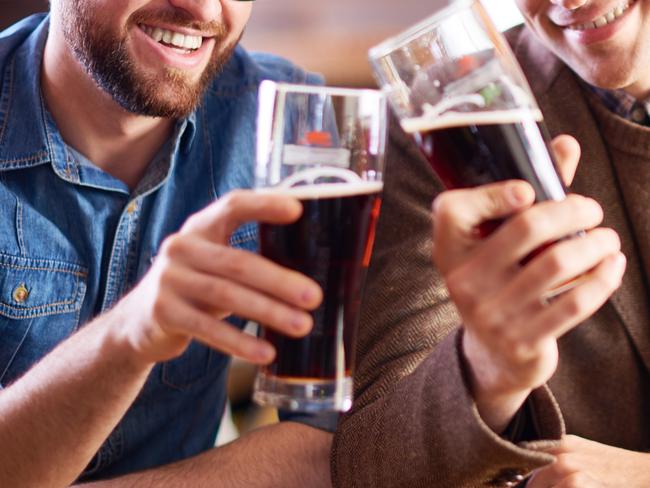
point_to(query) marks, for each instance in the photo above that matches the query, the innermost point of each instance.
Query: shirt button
(21, 293)
(638, 114)
(132, 206)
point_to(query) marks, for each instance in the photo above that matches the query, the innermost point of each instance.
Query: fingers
(245, 268)
(494, 264)
(567, 155)
(224, 297)
(559, 264)
(219, 220)
(545, 222)
(457, 213)
(177, 317)
(579, 480)
(577, 304)
(549, 479)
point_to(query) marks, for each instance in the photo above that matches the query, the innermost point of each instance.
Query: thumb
(567, 156)
(458, 213)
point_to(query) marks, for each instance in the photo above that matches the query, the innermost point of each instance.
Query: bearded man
(466, 377)
(118, 121)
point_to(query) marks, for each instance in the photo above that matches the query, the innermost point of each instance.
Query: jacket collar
(566, 111)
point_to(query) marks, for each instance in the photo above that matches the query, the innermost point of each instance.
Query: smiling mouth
(605, 19)
(181, 43)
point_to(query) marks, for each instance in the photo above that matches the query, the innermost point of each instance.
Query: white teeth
(608, 18)
(601, 21)
(157, 34)
(178, 40)
(174, 39)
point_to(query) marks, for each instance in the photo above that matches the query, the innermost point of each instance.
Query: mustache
(179, 18)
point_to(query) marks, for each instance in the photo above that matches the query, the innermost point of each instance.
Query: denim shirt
(74, 239)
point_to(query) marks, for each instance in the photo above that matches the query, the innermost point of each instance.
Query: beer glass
(324, 146)
(457, 89)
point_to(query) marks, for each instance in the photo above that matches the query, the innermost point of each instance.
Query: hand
(581, 463)
(198, 279)
(510, 338)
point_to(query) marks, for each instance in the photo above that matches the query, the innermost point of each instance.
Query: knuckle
(530, 224)
(579, 305)
(233, 200)
(173, 246)
(610, 239)
(607, 282)
(218, 289)
(461, 290)
(495, 200)
(491, 318)
(161, 311)
(444, 206)
(235, 264)
(564, 464)
(585, 209)
(555, 262)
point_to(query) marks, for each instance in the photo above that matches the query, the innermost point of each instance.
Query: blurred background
(330, 37)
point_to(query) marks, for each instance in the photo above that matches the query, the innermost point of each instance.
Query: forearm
(286, 454)
(54, 418)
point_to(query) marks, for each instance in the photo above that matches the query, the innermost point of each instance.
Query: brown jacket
(414, 423)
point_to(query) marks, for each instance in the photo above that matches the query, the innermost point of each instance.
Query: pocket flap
(31, 287)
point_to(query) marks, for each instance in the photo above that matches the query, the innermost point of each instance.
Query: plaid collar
(624, 105)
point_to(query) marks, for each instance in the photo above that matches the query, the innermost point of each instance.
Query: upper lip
(565, 18)
(182, 30)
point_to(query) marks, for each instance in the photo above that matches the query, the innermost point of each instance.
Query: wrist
(117, 341)
(497, 397)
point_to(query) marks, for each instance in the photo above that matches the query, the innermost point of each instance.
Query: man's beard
(105, 57)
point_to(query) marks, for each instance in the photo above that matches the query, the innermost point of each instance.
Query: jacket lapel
(566, 111)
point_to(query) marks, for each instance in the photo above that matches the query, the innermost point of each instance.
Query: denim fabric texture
(75, 239)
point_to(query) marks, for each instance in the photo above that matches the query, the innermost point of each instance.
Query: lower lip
(605, 32)
(173, 58)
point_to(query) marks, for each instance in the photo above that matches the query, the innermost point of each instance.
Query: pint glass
(325, 147)
(458, 90)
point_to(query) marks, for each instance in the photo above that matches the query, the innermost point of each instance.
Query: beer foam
(449, 120)
(327, 190)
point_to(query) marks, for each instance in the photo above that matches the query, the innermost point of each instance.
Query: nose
(569, 4)
(200, 10)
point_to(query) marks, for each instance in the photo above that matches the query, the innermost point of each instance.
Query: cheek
(237, 14)
(527, 7)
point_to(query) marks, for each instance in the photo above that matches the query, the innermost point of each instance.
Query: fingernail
(310, 295)
(434, 206)
(265, 353)
(519, 194)
(301, 322)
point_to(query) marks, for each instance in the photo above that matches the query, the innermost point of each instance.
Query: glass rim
(397, 41)
(335, 91)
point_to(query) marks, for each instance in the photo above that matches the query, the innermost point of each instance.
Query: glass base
(303, 394)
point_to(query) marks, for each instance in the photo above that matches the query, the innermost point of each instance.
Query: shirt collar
(27, 141)
(624, 105)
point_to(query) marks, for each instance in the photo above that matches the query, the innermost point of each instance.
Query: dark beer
(472, 149)
(331, 243)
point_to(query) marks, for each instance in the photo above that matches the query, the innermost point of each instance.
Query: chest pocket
(198, 360)
(40, 302)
